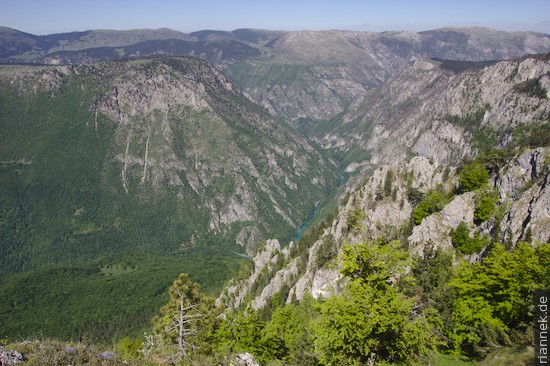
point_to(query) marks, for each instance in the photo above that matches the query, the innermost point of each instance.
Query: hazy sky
(55, 16)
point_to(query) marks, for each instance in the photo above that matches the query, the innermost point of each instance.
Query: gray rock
(8, 357)
(246, 359)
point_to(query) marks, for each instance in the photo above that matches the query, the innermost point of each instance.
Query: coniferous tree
(185, 319)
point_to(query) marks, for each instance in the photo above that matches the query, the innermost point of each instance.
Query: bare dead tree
(183, 325)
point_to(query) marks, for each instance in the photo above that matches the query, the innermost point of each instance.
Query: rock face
(524, 184)
(265, 262)
(245, 359)
(437, 227)
(10, 357)
(430, 111)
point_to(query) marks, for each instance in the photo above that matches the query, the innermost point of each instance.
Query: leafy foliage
(239, 332)
(485, 205)
(372, 319)
(327, 251)
(494, 297)
(289, 335)
(495, 159)
(355, 219)
(432, 273)
(464, 243)
(434, 201)
(473, 176)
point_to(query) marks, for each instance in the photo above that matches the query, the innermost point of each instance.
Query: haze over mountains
(126, 151)
(218, 46)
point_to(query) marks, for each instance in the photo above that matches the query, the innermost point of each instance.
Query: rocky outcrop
(264, 261)
(436, 228)
(10, 357)
(245, 359)
(524, 186)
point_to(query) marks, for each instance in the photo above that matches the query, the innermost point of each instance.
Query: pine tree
(184, 318)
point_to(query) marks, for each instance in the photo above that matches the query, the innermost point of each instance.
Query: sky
(42, 17)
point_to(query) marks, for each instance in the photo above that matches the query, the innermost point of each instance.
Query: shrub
(473, 176)
(388, 183)
(485, 206)
(434, 201)
(532, 87)
(355, 219)
(464, 243)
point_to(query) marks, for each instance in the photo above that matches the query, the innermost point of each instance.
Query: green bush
(532, 87)
(434, 201)
(355, 219)
(531, 135)
(473, 176)
(494, 298)
(388, 183)
(464, 243)
(371, 319)
(485, 206)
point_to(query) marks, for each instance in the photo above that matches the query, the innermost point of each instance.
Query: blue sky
(55, 16)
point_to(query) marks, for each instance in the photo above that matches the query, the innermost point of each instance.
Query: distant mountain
(101, 45)
(251, 36)
(382, 53)
(308, 77)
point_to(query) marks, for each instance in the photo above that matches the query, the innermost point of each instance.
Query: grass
(51, 352)
(509, 356)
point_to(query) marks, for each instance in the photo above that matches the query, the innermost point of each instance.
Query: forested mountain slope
(129, 165)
